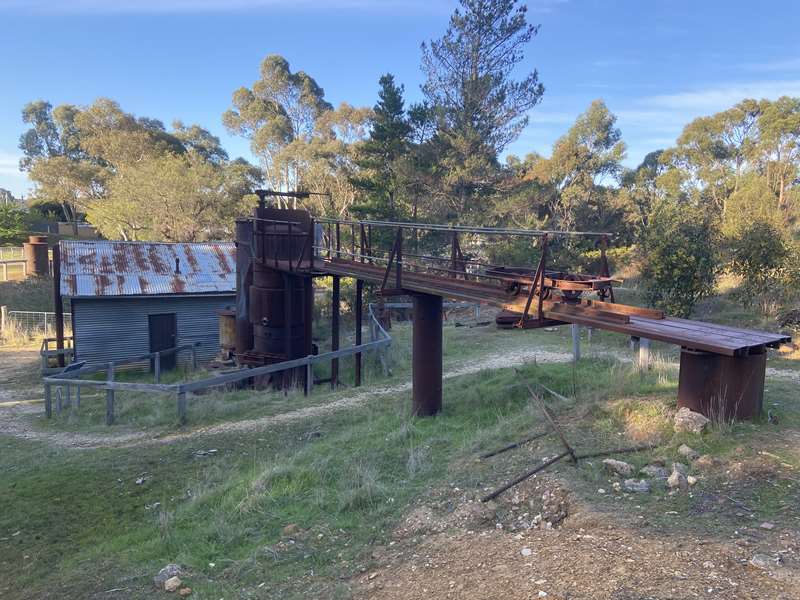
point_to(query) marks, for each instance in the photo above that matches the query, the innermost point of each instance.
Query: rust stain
(72, 284)
(221, 259)
(143, 284)
(101, 283)
(139, 258)
(191, 257)
(105, 265)
(159, 266)
(178, 285)
(120, 259)
(88, 260)
(121, 285)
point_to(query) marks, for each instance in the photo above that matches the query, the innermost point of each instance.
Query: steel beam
(359, 323)
(335, 330)
(427, 355)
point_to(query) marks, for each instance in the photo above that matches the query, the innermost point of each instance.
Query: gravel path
(15, 420)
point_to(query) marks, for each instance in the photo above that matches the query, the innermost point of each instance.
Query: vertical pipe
(58, 304)
(157, 366)
(427, 355)
(110, 396)
(48, 401)
(335, 331)
(576, 342)
(359, 319)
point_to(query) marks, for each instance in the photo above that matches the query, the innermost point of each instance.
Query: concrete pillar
(427, 355)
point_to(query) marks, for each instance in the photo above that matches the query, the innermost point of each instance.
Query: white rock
(526, 552)
(677, 481)
(636, 485)
(168, 572)
(686, 420)
(618, 466)
(691, 480)
(680, 468)
(172, 584)
(654, 471)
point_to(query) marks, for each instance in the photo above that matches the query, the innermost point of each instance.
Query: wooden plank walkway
(697, 335)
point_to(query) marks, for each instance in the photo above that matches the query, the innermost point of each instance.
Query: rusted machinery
(36, 254)
(722, 368)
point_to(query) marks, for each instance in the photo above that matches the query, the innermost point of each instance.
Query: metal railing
(69, 378)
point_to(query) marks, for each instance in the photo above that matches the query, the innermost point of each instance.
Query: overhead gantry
(280, 251)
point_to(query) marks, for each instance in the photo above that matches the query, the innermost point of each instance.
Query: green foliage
(758, 254)
(480, 108)
(13, 225)
(678, 256)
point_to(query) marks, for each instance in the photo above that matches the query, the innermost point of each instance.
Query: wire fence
(32, 322)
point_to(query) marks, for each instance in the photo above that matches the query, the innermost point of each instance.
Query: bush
(678, 258)
(13, 225)
(758, 254)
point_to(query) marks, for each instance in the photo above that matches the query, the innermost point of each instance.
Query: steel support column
(427, 355)
(722, 387)
(359, 319)
(335, 330)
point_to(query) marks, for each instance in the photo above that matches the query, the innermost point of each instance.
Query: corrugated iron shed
(107, 269)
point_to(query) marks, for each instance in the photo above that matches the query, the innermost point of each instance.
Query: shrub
(758, 254)
(678, 258)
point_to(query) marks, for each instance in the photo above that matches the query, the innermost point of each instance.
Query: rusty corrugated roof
(103, 268)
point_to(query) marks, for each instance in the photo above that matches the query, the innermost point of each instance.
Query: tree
(282, 107)
(757, 254)
(779, 146)
(378, 158)
(175, 197)
(480, 109)
(589, 155)
(13, 225)
(677, 252)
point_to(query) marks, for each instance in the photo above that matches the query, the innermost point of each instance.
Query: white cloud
(9, 164)
(714, 99)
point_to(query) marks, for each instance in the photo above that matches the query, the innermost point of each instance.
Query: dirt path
(15, 420)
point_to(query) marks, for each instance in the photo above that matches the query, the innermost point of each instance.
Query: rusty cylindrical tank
(722, 387)
(276, 301)
(37, 260)
(244, 278)
(227, 329)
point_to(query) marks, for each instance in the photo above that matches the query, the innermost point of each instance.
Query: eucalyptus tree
(280, 108)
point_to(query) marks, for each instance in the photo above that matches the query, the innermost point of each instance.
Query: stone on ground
(636, 485)
(688, 452)
(168, 572)
(688, 421)
(618, 466)
(678, 481)
(172, 584)
(654, 472)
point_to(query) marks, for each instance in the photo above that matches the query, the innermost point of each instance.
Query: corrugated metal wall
(107, 329)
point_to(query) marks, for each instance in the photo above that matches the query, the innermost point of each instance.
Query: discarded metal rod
(515, 445)
(524, 476)
(552, 420)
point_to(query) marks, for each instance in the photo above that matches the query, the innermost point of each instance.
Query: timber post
(110, 396)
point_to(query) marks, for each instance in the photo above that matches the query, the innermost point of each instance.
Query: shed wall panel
(106, 329)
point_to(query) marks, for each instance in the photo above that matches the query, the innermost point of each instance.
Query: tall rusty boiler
(36, 253)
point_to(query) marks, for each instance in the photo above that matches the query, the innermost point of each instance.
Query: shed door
(164, 335)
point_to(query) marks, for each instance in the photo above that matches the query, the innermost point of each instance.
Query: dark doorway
(163, 335)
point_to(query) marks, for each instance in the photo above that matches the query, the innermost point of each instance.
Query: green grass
(345, 480)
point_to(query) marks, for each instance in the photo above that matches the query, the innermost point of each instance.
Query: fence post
(59, 401)
(48, 401)
(182, 407)
(3, 317)
(194, 358)
(644, 353)
(78, 396)
(5, 271)
(68, 401)
(157, 366)
(309, 383)
(110, 396)
(576, 342)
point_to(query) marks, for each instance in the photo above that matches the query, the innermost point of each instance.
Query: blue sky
(657, 64)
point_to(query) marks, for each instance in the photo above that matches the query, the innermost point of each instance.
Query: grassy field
(291, 509)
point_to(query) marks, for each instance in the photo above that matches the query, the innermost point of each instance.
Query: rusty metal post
(722, 387)
(427, 355)
(335, 330)
(244, 279)
(58, 304)
(359, 319)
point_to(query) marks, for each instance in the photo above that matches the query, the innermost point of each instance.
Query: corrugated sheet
(102, 268)
(117, 328)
